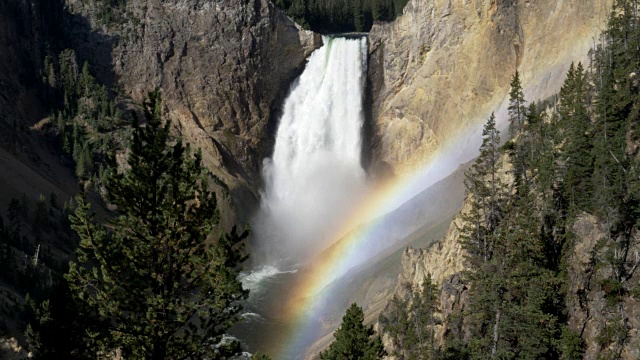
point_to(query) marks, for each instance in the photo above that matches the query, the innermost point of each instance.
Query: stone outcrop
(444, 65)
(443, 261)
(10, 349)
(589, 314)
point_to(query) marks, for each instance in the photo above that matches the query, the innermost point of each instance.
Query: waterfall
(315, 174)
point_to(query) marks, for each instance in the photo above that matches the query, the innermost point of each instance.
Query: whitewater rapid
(315, 174)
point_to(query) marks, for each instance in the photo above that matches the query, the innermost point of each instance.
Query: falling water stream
(312, 181)
(315, 174)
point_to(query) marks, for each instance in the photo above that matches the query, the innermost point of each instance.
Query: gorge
(339, 151)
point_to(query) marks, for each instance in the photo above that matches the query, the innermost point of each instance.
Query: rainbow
(357, 240)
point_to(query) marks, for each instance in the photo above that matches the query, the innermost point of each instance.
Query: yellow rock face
(445, 65)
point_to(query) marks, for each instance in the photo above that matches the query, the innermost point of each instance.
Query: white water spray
(315, 175)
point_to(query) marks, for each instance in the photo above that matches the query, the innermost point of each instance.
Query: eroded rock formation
(444, 65)
(223, 67)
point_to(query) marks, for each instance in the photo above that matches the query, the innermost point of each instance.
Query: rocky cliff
(444, 65)
(589, 314)
(223, 67)
(444, 262)
(588, 311)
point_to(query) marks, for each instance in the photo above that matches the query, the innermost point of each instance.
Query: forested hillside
(146, 280)
(334, 16)
(552, 249)
(550, 230)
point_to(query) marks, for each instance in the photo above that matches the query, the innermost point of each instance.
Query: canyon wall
(444, 65)
(223, 67)
(588, 311)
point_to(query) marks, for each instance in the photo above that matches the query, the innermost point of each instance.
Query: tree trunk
(496, 333)
(159, 349)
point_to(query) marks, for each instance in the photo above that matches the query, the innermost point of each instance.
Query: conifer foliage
(571, 160)
(158, 290)
(331, 16)
(411, 322)
(516, 105)
(354, 340)
(487, 190)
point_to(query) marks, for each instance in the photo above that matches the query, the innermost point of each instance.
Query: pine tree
(531, 142)
(155, 286)
(258, 356)
(15, 214)
(358, 15)
(86, 82)
(424, 311)
(40, 213)
(487, 197)
(298, 11)
(577, 148)
(80, 159)
(411, 323)
(516, 105)
(397, 325)
(6, 254)
(49, 77)
(615, 176)
(354, 340)
(55, 328)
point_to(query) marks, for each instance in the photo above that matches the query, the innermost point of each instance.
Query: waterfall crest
(315, 174)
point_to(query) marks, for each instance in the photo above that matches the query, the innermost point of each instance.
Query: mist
(315, 176)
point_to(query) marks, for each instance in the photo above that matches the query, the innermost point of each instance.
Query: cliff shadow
(91, 44)
(374, 166)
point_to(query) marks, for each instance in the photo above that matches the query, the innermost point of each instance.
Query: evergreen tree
(577, 147)
(411, 323)
(49, 76)
(155, 286)
(331, 16)
(615, 176)
(516, 105)
(354, 340)
(7, 261)
(530, 144)
(55, 327)
(258, 356)
(487, 194)
(15, 214)
(40, 213)
(358, 15)
(398, 326)
(423, 310)
(298, 11)
(398, 6)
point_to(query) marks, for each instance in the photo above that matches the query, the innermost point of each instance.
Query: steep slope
(586, 301)
(443, 261)
(27, 163)
(373, 284)
(444, 65)
(223, 69)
